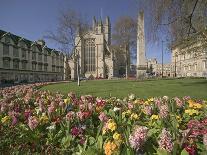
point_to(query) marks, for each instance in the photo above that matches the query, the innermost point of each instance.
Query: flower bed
(34, 121)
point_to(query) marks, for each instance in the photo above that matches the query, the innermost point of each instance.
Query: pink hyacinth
(51, 109)
(205, 140)
(130, 105)
(76, 131)
(148, 110)
(32, 122)
(165, 141)
(138, 137)
(103, 117)
(178, 102)
(70, 115)
(164, 111)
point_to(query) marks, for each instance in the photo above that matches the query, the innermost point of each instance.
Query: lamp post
(175, 65)
(77, 59)
(162, 58)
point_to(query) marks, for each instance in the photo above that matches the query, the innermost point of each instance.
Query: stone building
(94, 55)
(22, 60)
(189, 57)
(156, 68)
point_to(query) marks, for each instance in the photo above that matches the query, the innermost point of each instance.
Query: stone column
(141, 58)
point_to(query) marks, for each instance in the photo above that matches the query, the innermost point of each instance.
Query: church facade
(93, 55)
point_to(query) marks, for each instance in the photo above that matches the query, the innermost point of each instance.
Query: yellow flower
(146, 102)
(109, 148)
(137, 101)
(5, 119)
(150, 100)
(194, 105)
(103, 130)
(134, 116)
(178, 118)
(111, 125)
(66, 101)
(126, 113)
(154, 117)
(44, 119)
(117, 136)
(191, 111)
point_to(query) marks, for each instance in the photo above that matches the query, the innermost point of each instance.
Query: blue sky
(31, 19)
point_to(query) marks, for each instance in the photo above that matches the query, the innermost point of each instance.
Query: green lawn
(120, 88)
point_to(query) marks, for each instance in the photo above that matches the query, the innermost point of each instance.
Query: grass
(196, 88)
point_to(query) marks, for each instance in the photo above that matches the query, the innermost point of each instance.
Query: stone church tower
(141, 56)
(95, 57)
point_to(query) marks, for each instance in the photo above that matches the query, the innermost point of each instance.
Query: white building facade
(189, 59)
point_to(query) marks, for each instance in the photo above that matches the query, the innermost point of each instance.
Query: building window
(45, 67)
(24, 65)
(45, 58)
(195, 67)
(204, 65)
(89, 55)
(15, 52)
(33, 56)
(24, 53)
(6, 63)
(53, 68)
(189, 67)
(5, 49)
(39, 57)
(15, 64)
(33, 66)
(53, 60)
(39, 67)
(57, 69)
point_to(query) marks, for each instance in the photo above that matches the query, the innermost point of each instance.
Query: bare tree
(69, 24)
(177, 19)
(125, 36)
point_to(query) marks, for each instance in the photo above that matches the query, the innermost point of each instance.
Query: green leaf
(91, 140)
(184, 152)
(162, 152)
(100, 142)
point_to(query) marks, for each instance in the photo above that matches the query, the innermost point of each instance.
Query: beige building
(22, 60)
(157, 68)
(189, 58)
(94, 54)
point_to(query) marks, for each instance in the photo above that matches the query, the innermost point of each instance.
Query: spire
(94, 23)
(107, 20)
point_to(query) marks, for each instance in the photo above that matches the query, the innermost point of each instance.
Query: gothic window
(90, 55)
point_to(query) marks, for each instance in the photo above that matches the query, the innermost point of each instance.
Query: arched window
(90, 55)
